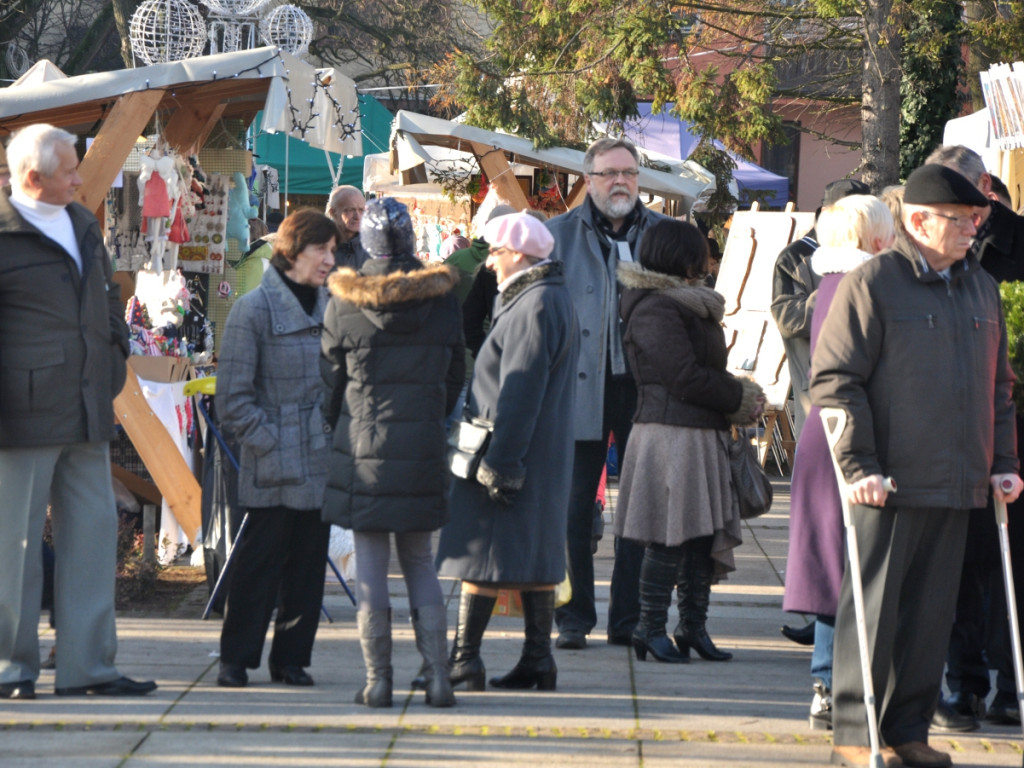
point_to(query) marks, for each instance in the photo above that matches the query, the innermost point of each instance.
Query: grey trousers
(911, 561)
(75, 481)
(373, 556)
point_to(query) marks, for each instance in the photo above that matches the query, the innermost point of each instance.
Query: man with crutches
(914, 352)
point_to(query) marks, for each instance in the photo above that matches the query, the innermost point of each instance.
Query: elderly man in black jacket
(63, 345)
(914, 350)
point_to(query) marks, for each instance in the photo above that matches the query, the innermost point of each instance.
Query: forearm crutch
(834, 421)
(1011, 597)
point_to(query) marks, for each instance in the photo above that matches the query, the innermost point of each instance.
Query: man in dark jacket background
(981, 638)
(63, 346)
(914, 350)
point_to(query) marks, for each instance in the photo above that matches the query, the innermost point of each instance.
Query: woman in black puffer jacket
(675, 493)
(393, 363)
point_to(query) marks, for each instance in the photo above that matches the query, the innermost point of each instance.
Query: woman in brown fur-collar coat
(393, 364)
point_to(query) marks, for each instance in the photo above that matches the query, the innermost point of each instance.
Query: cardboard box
(163, 369)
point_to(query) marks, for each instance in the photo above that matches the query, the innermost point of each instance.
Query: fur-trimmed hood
(699, 299)
(530, 276)
(393, 294)
(828, 260)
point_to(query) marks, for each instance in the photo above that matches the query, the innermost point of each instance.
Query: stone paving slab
(609, 709)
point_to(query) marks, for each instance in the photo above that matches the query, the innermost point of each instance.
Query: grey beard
(617, 209)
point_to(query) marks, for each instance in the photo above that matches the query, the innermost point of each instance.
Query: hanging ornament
(234, 7)
(289, 28)
(166, 30)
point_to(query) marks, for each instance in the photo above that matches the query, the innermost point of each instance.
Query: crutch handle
(1006, 485)
(889, 485)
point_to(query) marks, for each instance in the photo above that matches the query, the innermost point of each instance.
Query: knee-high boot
(657, 577)
(429, 622)
(465, 664)
(375, 639)
(696, 571)
(536, 665)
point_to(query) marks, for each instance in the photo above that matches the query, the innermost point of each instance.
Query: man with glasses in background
(346, 206)
(591, 239)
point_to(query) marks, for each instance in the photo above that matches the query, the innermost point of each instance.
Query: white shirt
(52, 220)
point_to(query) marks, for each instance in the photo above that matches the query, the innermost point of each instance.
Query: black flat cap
(935, 184)
(837, 190)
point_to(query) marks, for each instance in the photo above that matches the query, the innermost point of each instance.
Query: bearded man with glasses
(591, 239)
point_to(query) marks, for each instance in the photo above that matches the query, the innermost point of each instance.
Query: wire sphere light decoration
(289, 28)
(234, 7)
(166, 30)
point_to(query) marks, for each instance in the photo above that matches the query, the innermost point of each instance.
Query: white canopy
(684, 181)
(268, 79)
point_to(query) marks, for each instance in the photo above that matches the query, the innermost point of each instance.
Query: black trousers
(580, 613)
(279, 562)
(910, 561)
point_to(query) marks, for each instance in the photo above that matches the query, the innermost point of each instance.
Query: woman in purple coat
(850, 231)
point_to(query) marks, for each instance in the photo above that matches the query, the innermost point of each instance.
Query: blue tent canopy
(668, 135)
(308, 172)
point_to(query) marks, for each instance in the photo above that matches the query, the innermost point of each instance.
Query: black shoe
(660, 647)
(290, 675)
(802, 635)
(123, 686)
(50, 662)
(232, 676)
(1004, 710)
(946, 718)
(620, 638)
(23, 689)
(528, 673)
(571, 640)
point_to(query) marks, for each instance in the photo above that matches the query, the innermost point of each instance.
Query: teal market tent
(308, 173)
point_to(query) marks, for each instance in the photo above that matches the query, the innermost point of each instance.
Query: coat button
(314, 331)
(586, 332)
(279, 328)
(583, 375)
(327, 427)
(590, 289)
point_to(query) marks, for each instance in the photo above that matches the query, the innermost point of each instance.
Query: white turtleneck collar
(52, 220)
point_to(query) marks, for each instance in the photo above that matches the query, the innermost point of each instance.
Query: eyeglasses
(628, 173)
(959, 221)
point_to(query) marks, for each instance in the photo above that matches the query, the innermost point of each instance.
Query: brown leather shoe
(917, 754)
(854, 757)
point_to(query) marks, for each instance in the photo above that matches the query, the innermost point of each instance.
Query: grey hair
(336, 194)
(961, 159)
(601, 146)
(31, 149)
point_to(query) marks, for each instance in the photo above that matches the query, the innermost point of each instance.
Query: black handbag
(750, 484)
(467, 443)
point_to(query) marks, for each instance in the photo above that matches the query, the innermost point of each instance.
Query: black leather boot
(657, 577)
(465, 664)
(696, 571)
(536, 666)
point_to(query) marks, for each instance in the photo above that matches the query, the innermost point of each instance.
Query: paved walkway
(609, 709)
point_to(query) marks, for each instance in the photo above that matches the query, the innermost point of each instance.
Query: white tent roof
(411, 131)
(287, 94)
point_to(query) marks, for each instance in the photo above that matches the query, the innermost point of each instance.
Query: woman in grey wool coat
(508, 525)
(675, 493)
(269, 396)
(393, 363)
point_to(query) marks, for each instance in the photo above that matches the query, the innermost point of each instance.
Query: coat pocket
(32, 378)
(284, 463)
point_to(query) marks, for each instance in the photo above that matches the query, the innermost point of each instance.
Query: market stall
(154, 134)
